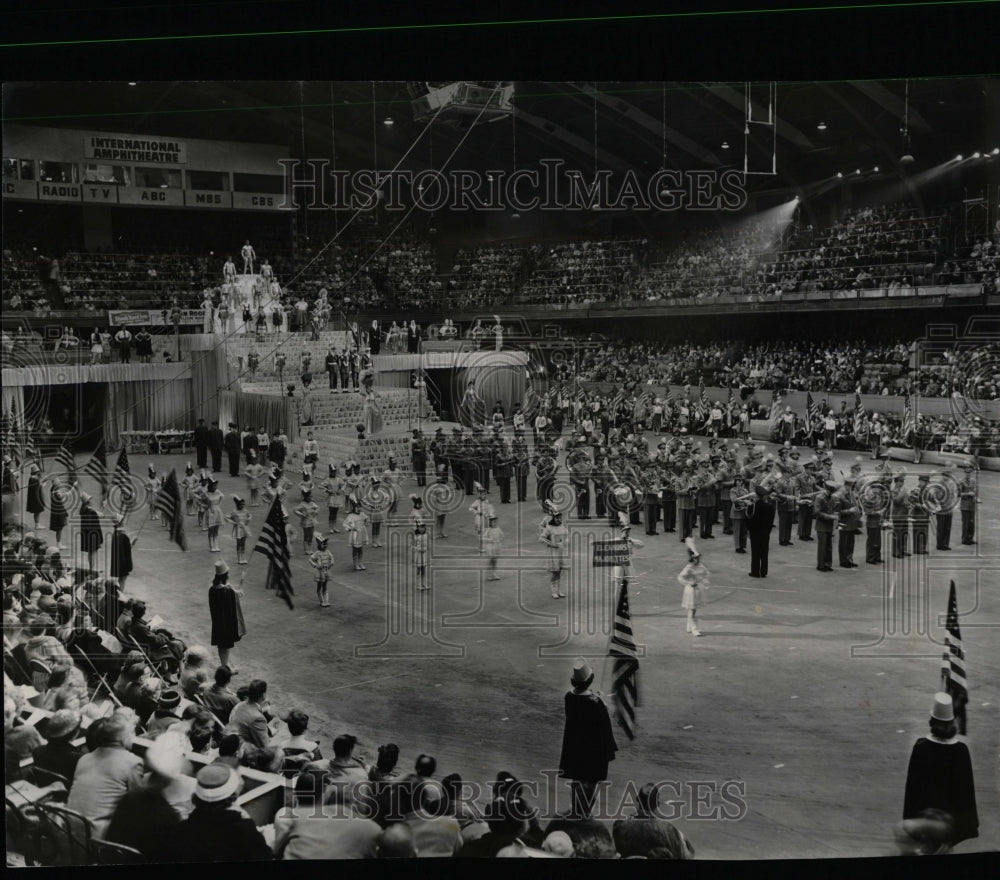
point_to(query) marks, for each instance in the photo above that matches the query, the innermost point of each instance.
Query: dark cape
(227, 615)
(121, 554)
(940, 777)
(588, 740)
(91, 533)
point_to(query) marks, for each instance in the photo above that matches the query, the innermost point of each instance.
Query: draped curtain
(206, 355)
(503, 382)
(253, 410)
(13, 402)
(147, 406)
(393, 379)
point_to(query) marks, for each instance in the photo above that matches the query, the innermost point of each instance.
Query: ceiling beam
(657, 127)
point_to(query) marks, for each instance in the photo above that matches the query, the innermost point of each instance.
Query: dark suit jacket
(215, 438)
(200, 437)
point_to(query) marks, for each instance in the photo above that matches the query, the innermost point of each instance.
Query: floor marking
(758, 589)
(793, 697)
(359, 683)
(778, 766)
(687, 726)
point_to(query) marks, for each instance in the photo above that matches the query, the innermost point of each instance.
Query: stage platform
(803, 696)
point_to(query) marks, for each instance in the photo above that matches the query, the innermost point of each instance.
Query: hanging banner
(153, 317)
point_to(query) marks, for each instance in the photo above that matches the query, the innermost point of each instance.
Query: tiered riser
(292, 346)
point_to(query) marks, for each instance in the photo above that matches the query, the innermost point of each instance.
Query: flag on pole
(703, 404)
(729, 408)
(273, 543)
(625, 665)
(956, 672)
(812, 411)
(908, 424)
(775, 416)
(120, 477)
(97, 468)
(859, 414)
(168, 502)
(66, 463)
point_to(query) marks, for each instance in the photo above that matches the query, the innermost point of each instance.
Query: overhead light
(975, 155)
(958, 158)
(840, 174)
(875, 169)
(906, 159)
(996, 151)
(388, 121)
(857, 170)
(131, 84)
(725, 145)
(515, 216)
(821, 126)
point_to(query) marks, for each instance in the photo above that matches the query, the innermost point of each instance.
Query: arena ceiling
(626, 125)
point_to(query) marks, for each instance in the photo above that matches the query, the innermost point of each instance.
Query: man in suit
(250, 718)
(825, 515)
(201, 443)
(967, 505)
(944, 514)
(232, 445)
(503, 469)
(418, 457)
(344, 367)
(522, 464)
(332, 369)
(215, 442)
(759, 525)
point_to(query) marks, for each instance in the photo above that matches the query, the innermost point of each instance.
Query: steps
(292, 345)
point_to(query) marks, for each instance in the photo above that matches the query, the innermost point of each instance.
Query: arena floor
(786, 728)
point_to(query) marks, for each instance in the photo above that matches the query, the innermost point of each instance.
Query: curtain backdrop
(147, 406)
(253, 410)
(206, 355)
(13, 402)
(393, 379)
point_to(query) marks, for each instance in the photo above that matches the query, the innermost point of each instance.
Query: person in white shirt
(541, 422)
(830, 430)
(229, 271)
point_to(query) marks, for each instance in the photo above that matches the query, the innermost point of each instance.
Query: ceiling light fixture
(958, 158)
(840, 174)
(725, 145)
(821, 126)
(976, 154)
(907, 157)
(388, 121)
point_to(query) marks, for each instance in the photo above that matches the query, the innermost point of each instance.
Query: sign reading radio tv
(132, 148)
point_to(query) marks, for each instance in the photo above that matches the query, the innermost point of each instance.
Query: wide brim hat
(216, 782)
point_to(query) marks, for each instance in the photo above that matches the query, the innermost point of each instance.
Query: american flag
(859, 414)
(703, 404)
(812, 411)
(908, 423)
(775, 416)
(643, 405)
(956, 673)
(168, 502)
(97, 468)
(273, 543)
(729, 408)
(120, 480)
(66, 463)
(625, 668)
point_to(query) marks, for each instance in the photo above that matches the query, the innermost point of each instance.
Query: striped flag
(956, 672)
(859, 414)
(908, 423)
(168, 502)
(703, 404)
(120, 477)
(812, 410)
(625, 665)
(729, 408)
(97, 468)
(643, 405)
(273, 543)
(66, 463)
(775, 416)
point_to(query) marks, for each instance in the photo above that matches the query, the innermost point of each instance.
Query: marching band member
(356, 526)
(254, 472)
(188, 483)
(483, 509)
(694, 577)
(377, 502)
(849, 524)
(876, 488)
(739, 497)
(417, 513)
(825, 514)
(420, 553)
(391, 478)
(900, 512)
(787, 501)
(306, 486)
(307, 511)
(334, 488)
(943, 516)
(153, 486)
(492, 540)
(439, 516)
(213, 514)
(240, 518)
(555, 536)
(322, 560)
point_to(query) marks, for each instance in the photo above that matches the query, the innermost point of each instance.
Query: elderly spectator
(59, 755)
(105, 775)
(194, 673)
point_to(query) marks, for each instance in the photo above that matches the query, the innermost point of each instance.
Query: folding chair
(25, 831)
(67, 837)
(42, 777)
(107, 852)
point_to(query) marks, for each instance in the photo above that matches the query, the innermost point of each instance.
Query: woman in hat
(189, 483)
(356, 526)
(939, 775)
(322, 561)
(224, 606)
(306, 486)
(482, 510)
(199, 494)
(59, 755)
(376, 503)
(91, 533)
(420, 550)
(153, 485)
(213, 514)
(492, 540)
(555, 536)
(240, 518)
(35, 503)
(333, 485)
(588, 744)
(121, 552)
(694, 578)
(307, 510)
